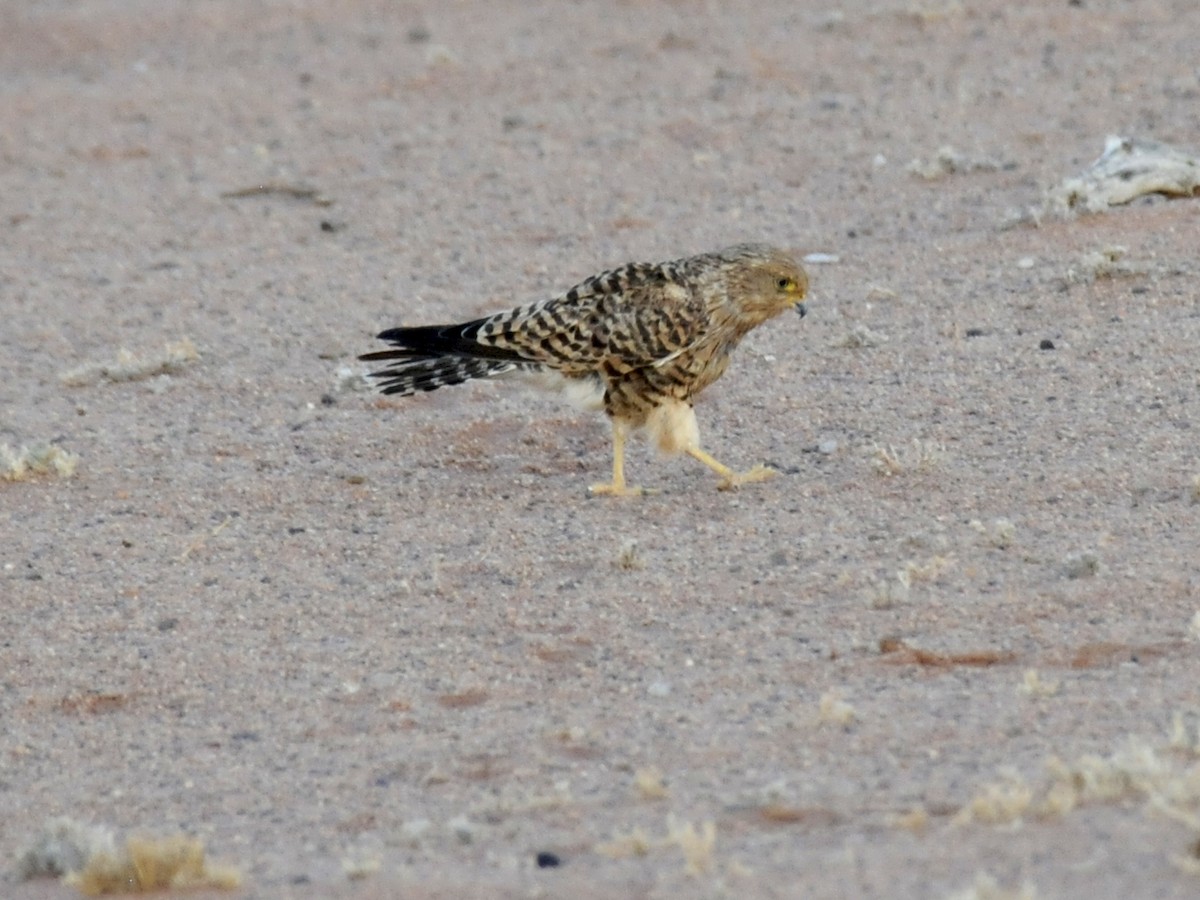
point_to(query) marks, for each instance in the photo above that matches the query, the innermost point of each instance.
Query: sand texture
(362, 647)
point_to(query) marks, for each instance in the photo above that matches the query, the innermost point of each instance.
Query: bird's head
(765, 282)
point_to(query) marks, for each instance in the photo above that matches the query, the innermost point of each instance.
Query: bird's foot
(619, 490)
(737, 479)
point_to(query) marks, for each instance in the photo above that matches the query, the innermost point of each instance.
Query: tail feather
(413, 375)
(429, 341)
(429, 357)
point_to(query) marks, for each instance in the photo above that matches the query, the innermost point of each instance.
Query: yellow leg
(729, 478)
(618, 487)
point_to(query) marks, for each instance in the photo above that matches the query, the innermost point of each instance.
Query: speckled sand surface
(312, 626)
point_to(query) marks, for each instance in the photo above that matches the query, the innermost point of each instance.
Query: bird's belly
(583, 393)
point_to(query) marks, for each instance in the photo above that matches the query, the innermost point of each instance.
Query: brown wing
(632, 317)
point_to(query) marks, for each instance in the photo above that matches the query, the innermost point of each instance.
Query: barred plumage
(430, 374)
(647, 337)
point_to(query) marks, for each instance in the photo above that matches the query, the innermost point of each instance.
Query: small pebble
(414, 829)
(1081, 565)
(548, 860)
(1046, 344)
(462, 828)
(659, 689)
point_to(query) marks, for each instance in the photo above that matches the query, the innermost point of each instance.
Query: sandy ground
(329, 633)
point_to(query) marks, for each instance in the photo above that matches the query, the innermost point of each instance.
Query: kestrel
(640, 342)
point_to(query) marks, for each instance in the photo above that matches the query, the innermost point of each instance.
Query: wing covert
(632, 317)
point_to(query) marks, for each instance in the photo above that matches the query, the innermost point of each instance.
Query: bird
(639, 342)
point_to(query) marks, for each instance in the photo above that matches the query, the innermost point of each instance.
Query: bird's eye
(784, 283)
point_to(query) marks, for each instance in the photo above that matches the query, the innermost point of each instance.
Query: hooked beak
(802, 309)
